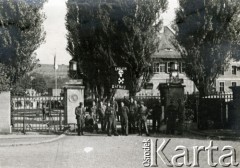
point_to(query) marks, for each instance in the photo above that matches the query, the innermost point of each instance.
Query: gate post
(5, 111)
(173, 92)
(235, 123)
(73, 95)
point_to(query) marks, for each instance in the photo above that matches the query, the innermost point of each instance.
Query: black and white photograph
(119, 83)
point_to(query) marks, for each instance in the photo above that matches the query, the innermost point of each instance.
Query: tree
(113, 33)
(138, 40)
(21, 86)
(83, 44)
(4, 79)
(207, 38)
(39, 84)
(21, 34)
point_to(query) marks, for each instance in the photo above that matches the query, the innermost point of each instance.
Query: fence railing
(214, 111)
(38, 113)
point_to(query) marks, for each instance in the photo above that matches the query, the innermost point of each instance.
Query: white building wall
(162, 78)
(228, 77)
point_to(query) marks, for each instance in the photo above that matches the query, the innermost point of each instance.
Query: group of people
(132, 115)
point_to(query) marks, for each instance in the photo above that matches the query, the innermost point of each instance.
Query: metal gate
(27, 113)
(215, 111)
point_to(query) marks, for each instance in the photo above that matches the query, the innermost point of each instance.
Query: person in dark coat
(80, 115)
(132, 115)
(115, 106)
(142, 118)
(111, 118)
(124, 119)
(157, 114)
(171, 116)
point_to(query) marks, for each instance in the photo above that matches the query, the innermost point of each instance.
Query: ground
(101, 151)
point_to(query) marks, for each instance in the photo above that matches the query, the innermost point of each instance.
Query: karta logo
(154, 151)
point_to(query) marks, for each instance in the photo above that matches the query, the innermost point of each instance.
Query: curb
(34, 143)
(214, 136)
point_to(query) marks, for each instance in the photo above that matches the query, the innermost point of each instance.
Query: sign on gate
(120, 78)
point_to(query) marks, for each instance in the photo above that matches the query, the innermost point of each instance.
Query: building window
(180, 68)
(234, 84)
(221, 87)
(162, 67)
(234, 70)
(168, 67)
(156, 67)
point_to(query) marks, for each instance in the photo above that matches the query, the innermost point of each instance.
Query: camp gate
(27, 113)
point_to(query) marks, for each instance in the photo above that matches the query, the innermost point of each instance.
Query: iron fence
(27, 113)
(212, 111)
(215, 111)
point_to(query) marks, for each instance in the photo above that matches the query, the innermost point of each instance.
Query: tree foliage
(4, 79)
(21, 86)
(207, 38)
(30, 81)
(39, 84)
(21, 34)
(102, 35)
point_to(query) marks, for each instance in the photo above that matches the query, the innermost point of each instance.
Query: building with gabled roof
(161, 61)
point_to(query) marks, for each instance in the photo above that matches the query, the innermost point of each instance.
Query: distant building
(48, 72)
(162, 60)
(229, 77)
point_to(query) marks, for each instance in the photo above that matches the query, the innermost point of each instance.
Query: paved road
(99, 151)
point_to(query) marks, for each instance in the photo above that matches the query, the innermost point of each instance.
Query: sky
(54, 26)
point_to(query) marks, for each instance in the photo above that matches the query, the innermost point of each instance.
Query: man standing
(132, 115)
(93, 114)
(171, 116)
(101, 111)
(142, 121)
(157, 114)
(111, 118)
(80, 113)
(124, 119)
(135, 117)
(115, 106)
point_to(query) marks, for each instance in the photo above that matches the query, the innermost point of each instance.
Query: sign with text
(119, 78)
